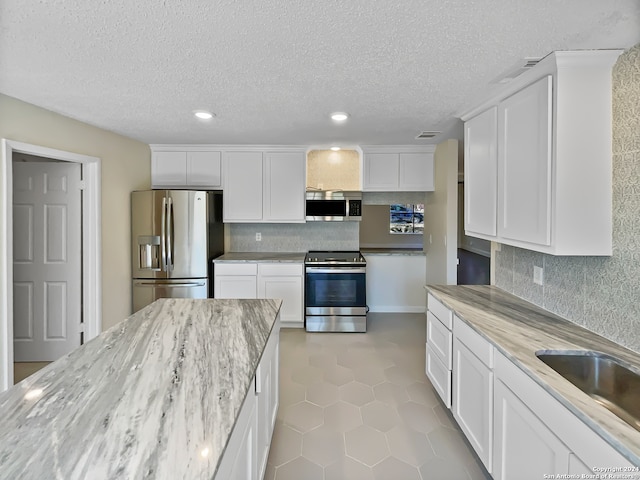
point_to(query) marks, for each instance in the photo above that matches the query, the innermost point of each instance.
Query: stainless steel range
(335, 292)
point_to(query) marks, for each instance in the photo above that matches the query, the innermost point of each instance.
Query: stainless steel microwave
(333, 206)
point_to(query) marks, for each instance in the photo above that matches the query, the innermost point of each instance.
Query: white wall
(126, 166)
(441, 217)
(395, 283)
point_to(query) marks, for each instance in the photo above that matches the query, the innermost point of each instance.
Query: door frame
(91, 245)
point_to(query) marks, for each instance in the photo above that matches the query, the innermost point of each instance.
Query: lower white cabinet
(517, 428)
(284, 281)
(472, 404)
(535, 434)
(267, 401)
(246, 454)
(264, 280)
(235, 280)
(525, 447)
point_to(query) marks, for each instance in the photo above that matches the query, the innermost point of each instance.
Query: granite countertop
(518, 329)
(393, 251)
(156, 396)
(276, 257)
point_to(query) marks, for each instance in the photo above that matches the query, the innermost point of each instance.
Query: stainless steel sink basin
(604, 378)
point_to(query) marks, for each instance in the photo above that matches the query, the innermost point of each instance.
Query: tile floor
(359, 406)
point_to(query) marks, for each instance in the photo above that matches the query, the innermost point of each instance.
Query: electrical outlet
(538, 275)
(258, 237)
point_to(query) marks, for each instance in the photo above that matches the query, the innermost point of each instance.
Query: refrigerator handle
(169, 234)
(163, 233)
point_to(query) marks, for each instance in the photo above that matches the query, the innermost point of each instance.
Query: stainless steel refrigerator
(174, 236)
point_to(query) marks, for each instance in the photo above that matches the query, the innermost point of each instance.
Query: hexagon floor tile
(359, 407)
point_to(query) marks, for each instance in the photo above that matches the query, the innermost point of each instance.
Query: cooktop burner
(334, 258)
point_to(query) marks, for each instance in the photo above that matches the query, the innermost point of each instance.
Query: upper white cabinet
(398, 168)
(548, 133)
(184, 166)
(481, 174)
(264, 186)
(242, 187)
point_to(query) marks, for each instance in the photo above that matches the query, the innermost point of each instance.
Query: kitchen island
(156, 396)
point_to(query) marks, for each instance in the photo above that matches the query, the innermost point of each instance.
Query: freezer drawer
(147, 291)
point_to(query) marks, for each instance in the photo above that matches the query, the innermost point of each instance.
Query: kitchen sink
(603, 377)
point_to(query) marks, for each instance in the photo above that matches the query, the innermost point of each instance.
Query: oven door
(335, 291)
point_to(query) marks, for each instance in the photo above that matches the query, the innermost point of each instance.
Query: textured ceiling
(273, 70)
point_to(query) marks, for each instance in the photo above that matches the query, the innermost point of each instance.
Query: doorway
(90, 285)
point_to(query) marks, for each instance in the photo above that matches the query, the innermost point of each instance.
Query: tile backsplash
(294, 237)
(599, 293)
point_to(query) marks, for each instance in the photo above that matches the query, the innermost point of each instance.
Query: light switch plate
(258, 237)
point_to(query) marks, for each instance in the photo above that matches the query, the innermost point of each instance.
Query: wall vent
(517, 69)
(427, 134)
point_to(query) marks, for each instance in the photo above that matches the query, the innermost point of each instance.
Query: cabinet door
(439, 375)
(525, 448)
(242, 186)
(381, 171)
(416, 172)
(267, 399)
(235, 286)
(284, 187)
(481, 174)
(169, 169)
(204, 169)
(472, 404)
(289, 289)
(524, 164)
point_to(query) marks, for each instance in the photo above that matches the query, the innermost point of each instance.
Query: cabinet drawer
(280, 269)
(439, 310)
(440, 377)
(236, 269)
(439, 339)
(477, 344)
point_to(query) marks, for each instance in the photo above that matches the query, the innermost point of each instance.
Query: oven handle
(336, 269)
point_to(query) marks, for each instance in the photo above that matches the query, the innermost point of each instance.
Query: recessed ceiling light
(335, 149)
(203, 114)
(339, 116)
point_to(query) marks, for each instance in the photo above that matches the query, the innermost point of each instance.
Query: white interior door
(47, 259)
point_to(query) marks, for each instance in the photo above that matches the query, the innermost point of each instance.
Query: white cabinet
(284, 281)
(264, 280)
(284, 187)
(524, 164)
(525, 447)
(246, 454)
(235, 280)
(481, 174)
(472, 404)
(394, 169)
(267, 397)
(179, 167)
(549, 132)
(439, 348)
(264, 186)
(536, 435)
(242, 186)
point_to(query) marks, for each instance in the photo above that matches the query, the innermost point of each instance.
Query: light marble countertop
(155, 396)
(276, 257)
(393, 251)
(518, 329)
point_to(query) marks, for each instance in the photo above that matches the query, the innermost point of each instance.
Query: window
(406, 218)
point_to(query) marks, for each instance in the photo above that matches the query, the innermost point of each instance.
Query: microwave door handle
(163, 235)
(169, 234)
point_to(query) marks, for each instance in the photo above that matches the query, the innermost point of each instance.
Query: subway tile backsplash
(599, 293)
